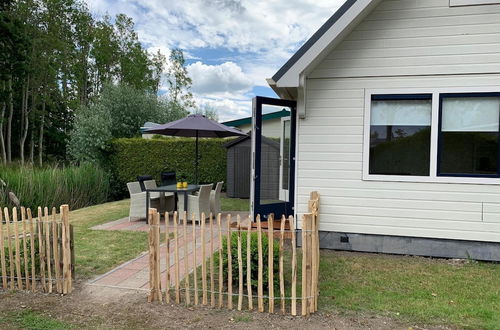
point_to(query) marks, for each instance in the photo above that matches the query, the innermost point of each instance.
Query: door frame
(278, 209)
(283, 192)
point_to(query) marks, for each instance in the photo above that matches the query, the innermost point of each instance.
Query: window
(469, 135)
(447, 135)
(400, 134)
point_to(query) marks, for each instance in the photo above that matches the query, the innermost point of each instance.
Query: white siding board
(405, 38)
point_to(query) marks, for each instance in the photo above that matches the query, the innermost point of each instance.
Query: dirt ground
(105, 308)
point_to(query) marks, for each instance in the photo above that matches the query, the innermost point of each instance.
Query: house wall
(270, 127)
(402, 44)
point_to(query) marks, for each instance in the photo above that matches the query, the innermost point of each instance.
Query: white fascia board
(326, 42)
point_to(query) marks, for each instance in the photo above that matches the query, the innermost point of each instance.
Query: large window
(442, 135)
(469, 133)
(400, 134)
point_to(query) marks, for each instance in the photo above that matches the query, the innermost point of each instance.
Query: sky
(231, 46)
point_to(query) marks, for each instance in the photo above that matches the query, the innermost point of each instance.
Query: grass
(78, 186)
(417, 289)
(98, 251)
(234, 204)
(29, 319)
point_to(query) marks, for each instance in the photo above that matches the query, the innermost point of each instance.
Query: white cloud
(263, 33)
(218, 79)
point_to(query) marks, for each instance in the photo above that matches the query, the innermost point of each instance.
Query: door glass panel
(272, 153)
(286, 155)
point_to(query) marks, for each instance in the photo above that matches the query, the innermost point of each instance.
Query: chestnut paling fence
(232, 263)
(36, 253)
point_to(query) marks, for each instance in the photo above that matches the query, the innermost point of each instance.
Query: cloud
(264, 35)
(218, 79)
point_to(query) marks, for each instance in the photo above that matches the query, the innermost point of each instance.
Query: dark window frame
(443, 96)
(399, 97)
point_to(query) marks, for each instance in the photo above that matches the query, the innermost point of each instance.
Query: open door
(273, 158)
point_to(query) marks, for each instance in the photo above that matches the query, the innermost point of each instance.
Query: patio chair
(142, 178)
(197, 204)
(138, 201)
(167, 199)
(215, 198)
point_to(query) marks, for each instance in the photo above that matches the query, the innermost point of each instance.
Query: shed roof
(248, 120)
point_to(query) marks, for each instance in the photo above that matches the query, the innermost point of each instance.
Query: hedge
(137, 156)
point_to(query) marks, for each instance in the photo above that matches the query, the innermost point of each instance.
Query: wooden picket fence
(36, 253)
(294, 292)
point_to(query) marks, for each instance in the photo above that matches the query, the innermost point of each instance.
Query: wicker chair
(138, 201)
(167, 199)
(215, 198)
(197, 204)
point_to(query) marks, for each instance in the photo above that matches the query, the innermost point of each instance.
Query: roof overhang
(286, 81)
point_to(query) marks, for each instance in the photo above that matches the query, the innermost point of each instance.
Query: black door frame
(283, 208)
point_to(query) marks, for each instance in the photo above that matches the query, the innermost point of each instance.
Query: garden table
(171, 188)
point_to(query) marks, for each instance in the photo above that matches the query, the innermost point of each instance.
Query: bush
(137, 156)
(53, 186)
(254, 262)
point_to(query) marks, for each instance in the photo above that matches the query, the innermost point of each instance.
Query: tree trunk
(24, 120)
(40, 136)
(32, 145)
(9, 121)
(2, 140)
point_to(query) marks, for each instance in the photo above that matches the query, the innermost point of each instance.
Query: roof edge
(313, 39)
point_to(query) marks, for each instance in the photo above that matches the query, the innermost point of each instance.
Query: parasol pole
(196, 159)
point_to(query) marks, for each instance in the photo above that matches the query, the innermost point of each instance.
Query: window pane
(469, 137)
(400, 137)
(471, 114)
(469, 153)
(401, 112)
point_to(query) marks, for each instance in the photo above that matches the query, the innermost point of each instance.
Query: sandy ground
(105, 308)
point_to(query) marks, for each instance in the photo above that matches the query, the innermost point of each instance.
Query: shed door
(273, 158)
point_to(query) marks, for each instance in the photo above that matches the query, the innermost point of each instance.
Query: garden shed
(239, 166)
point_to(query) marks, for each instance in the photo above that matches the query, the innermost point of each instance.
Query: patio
(134, 274)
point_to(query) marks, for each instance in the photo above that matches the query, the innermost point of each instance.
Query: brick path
(134, 274)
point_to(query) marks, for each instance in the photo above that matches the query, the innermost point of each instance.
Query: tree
(179, 82)
(120, 112)
(208, 111)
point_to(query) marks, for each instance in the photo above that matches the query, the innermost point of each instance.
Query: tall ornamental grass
(53, 186)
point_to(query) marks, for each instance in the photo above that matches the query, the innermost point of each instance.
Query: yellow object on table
(179, 185)
(185, 184)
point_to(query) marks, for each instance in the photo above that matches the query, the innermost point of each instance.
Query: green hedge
(137, 156)
(77, 186)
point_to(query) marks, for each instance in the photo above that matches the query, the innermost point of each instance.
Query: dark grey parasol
(197, 126)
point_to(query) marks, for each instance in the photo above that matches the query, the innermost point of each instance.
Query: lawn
(430, 291)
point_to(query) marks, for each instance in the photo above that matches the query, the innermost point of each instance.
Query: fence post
(55, 248)
(229, 265)
(2, 254)
(67, 277)
(249, 264)
(167, 258)
(240, 266)
(152, 254)
(212, 252)
(260, 286)
(177, 266)
(291, 221)
(203, 262)
(282, 276)
(186, 265)
(17, 249)
(304, 228)
(270, 261)
(47, 247)
(221, 279)
(25, 250)
(195, 264)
